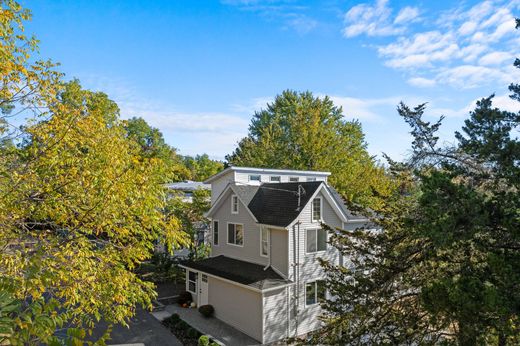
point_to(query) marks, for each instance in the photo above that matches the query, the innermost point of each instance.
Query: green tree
(79, 204)
(201, 167)
(300, 131)
(191, 215)
(446, 268)
(152, 144)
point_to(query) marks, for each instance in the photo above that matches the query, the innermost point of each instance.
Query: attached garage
(237, 306)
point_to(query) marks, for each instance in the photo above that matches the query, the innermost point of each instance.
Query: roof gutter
(237, 283)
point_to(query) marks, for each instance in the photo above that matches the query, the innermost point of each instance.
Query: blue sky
(198, 70)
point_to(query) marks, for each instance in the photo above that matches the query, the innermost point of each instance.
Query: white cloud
(495, 58)
(463, 47)
(371, 20)
(422, 82)
(363, 109)
(407, 15)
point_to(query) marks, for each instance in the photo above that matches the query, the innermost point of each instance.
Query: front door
(203, 290)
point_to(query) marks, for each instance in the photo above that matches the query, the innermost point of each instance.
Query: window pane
(235, 204)
(254, 177)
(275, 178)
(310, 293)
(316, 209)
(321, 290)
(231, 233)
(192, 276)
(192, 287)
(215, 232)
(239, 238)
(322, 240)
(311, 240)
(293, 179)
(311, 179)
(264, 248)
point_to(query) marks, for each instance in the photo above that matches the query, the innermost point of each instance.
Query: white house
(263, 276)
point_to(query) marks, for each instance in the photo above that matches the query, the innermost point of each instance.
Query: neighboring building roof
(278, 204)
(264, 170)
(245, 273)
(188, 185)
(349, 213)
(245, 192)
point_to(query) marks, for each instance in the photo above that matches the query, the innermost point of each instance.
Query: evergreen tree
(445, 269)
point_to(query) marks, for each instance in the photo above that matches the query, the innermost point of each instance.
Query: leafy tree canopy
(80, 205)
(446, 267)
(301, 131)
(201, 167)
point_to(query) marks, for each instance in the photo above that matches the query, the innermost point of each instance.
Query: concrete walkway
(215, 328)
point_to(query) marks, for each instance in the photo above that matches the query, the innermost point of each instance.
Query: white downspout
(269, 248)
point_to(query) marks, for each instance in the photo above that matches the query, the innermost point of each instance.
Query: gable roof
(242, 272)
(351, 216)
(277, 203)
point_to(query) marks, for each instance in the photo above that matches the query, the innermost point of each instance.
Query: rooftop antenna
(300, 192)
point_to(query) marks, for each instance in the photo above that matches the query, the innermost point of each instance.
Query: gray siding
(275, 315)
(237, 306)
(250, 251)
(310, 269)
(279, 245)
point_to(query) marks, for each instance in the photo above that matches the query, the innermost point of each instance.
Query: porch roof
(242, 272)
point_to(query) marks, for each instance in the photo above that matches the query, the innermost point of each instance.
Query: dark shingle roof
(245, 273)
(277, 203)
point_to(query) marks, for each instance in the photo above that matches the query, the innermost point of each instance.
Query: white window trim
(275, 176)
(243, 234)
(321, 210)
(268, 241)
(317, 251)
(315, 282)
(233, 204)
(259, 176)
(213, 231)
(188, 282)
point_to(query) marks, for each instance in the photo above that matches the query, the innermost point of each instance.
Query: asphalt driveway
(143, 329)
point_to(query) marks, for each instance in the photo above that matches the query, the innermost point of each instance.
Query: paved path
(218, 330)
(144, 329)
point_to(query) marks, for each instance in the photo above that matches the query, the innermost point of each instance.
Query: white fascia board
(236, 283)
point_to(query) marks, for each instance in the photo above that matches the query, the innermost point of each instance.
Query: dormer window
(234, 204)
(254, 177)
(316, 209)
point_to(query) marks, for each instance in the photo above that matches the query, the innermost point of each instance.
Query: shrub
(174, 318)
(204, 340)
(206, 310)
(182, 325)
(184, 298)
(213, 343)
(192, 333)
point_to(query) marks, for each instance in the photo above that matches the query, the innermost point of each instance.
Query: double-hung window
(315, 292)
(316, 240)
(234, 204)
(215, 232)
(192, 281)
(264, 245)
(235, 234)
(316, 209)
